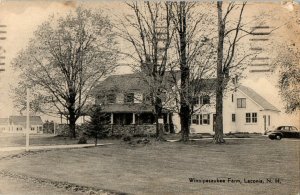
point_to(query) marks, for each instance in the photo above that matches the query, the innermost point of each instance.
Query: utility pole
(27, 121)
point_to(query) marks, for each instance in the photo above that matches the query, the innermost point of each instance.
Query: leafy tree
(287, 62)
(64, 60)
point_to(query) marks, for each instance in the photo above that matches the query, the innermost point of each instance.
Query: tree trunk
(158, 113)
(72, 123)
(185, 72)
(184, 123)
(218, 137)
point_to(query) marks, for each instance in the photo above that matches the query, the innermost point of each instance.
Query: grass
(45, 139)
(165, 168)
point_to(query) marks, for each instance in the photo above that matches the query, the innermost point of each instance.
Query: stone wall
(131, 129)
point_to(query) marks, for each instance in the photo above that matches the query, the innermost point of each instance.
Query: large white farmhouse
(244, 111)
(124, 98)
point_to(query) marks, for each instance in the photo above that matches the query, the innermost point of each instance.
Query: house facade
(126, 105)
(244, 110)
(125, 102)
(17, 124)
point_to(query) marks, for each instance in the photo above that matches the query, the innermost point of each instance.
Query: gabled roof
(257, 98)
(131, 82)
(123, 82)
(21, 120)
(4, 121)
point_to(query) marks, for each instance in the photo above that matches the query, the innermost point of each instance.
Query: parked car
(284, 132)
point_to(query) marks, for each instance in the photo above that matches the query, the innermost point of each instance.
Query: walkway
(31, 148)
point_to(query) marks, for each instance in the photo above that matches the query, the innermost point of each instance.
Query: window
(32, 128)
(146, 98)
(205, 99)
(248, 117)
(196, 100)
(251, 117)
(294, 129)
(204, 119)
(111, 98)
(231, 97)
(254, 117)
(128, 98)
(233, 117)
(195, 119)
(201, 119)
(269, 120)
(241, 102)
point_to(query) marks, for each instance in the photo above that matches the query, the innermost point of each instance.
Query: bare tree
(65, 59)
(149, 32)
(230, 32)
(195, 56)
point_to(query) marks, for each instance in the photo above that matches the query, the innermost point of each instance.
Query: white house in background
(4, 124)
(244, 110)
(17, 124)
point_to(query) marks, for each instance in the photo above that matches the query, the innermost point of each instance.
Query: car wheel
(278, 137)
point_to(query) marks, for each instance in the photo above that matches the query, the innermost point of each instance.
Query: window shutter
(208, 119)
(200, 119)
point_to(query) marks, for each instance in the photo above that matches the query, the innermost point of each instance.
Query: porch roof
(128, 108)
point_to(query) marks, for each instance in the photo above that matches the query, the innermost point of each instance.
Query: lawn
(165, 168)
(44, 139)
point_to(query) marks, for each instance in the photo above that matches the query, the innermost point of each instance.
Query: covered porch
(136, 117)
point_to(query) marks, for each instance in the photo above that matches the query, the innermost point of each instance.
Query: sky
(22, 18)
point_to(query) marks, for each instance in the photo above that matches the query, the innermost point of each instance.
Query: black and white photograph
(179, 97)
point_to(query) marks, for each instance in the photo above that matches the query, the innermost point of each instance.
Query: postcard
(149, 97)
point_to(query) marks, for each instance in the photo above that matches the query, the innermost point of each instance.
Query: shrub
(82, 140)
(96, 127)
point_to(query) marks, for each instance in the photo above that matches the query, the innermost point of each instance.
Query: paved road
(208, 138)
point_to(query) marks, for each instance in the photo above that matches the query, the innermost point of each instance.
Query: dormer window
(111, 98)
(129, 98)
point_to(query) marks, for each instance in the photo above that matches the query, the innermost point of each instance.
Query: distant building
(4, 124)
(17, 124)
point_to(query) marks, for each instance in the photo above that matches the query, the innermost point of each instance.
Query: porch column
(133, 118)
(168, 118)
(111, 118)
